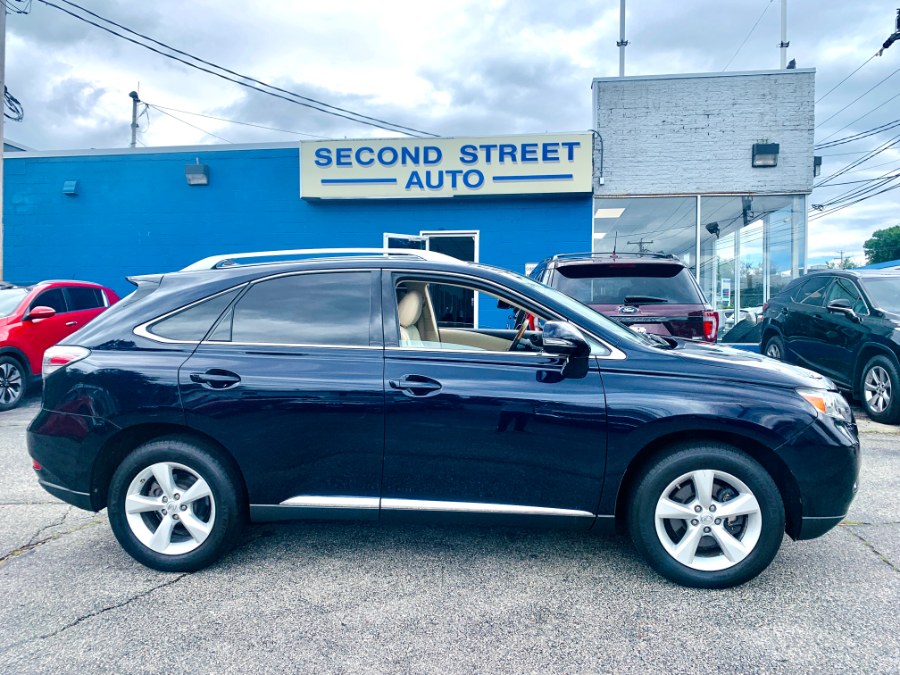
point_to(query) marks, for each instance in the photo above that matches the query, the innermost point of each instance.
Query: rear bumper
(80, 499)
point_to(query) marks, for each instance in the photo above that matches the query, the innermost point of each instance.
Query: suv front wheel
(174, 506)
(707, 515)
(880, 390)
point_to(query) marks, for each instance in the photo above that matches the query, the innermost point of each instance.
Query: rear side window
(844, 289)
(81, 298)
(53, 298)
(193, 323)
(620, 283)
(812, 292)
(331, 308)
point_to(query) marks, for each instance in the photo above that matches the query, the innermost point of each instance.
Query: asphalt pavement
(367, 598)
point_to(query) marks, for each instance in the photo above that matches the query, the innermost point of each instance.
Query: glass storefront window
(750, 246)
(647, 225)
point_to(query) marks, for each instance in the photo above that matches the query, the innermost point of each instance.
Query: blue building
(104, 215)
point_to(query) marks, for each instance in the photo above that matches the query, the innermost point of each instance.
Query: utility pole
(135, 99)
(2, 115)
(784, 41)
(622, 43)
(642, 245)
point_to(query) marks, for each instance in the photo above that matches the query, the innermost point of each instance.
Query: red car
(34, 318)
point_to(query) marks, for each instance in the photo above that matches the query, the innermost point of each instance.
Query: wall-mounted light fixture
(817, 165)
(197, 174)
(70, 187)
(713, 228)
(765, 154)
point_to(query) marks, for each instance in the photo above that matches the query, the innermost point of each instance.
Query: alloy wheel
(170, 508)
(10, 383)
(877, 389)
(708, 520)
(773, 350)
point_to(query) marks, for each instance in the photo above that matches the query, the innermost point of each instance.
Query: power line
(312, 104)
(881, 105)
(748, 36)
(246, 124)
(858, 136)
(208, 133)
(844, 206)
(884, 146)
(878, 84)
(846, 78)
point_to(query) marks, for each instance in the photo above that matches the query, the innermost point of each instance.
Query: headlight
(829, 403)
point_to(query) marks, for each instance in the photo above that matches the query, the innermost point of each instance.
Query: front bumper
(825, 461)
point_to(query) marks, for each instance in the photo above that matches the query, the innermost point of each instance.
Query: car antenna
(615, 241)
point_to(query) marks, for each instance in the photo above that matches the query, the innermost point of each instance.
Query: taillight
(710, 325)
(765, 307)
(61, 356)
(35, 465)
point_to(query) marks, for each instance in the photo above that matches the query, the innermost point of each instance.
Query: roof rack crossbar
(216, 261)
(616, 254)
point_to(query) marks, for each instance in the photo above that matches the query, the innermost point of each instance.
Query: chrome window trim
(319, 502)
(143, 330)
(615, 354)
(222, 343)
(464, 351)
(475, 507)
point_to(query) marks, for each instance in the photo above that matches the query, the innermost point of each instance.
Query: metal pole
(3, 105)
(135, 99)
(622, 43)
(784, 43)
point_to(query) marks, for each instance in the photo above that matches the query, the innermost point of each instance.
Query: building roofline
(693, 76)
(171, 149)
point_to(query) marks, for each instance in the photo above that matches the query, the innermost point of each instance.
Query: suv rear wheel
(707, 516)
(173, 505)
(880, 390)
(774, 348)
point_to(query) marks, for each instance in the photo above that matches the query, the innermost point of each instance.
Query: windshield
(579, 310)
(10, 299)
(628, 284)
(884, 292)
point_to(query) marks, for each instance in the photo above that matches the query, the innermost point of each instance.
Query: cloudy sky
(460, 67)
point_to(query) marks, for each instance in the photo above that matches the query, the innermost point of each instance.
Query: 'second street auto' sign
(446, 167)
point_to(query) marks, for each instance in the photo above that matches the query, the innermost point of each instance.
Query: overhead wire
(208, 133)
(748, 36)
(846, 78)
(291, 97)
(878, 84)
(855, 137)
(246, 124)
(864, 115)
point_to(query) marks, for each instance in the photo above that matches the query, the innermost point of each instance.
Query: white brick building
(674, 173)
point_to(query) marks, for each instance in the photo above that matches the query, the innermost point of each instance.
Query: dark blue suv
(310, 384)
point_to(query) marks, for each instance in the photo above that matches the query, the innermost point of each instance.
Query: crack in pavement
(51, 525)
(874, 550)
(21, 550)
(93, 614)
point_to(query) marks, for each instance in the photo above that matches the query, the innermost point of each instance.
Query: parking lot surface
(364, 598)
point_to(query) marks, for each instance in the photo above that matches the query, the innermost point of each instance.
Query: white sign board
(446, 167)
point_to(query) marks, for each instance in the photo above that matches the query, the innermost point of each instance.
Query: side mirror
(842, 306)
(563, 339)
(40, 312)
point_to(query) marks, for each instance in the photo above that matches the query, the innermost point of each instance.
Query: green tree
(883, 246)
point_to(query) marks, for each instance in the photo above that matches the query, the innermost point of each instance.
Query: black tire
(220, 514)
(775, 345)
(879, 390)
(759, 532)
(13, 382)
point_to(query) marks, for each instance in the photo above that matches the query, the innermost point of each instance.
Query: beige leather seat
(409, 310)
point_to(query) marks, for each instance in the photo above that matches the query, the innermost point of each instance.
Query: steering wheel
(520, 331)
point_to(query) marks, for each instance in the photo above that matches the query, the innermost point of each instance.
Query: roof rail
(226, 260)
(613, 254)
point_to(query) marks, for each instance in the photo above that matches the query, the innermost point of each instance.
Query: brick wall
(694, 133)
